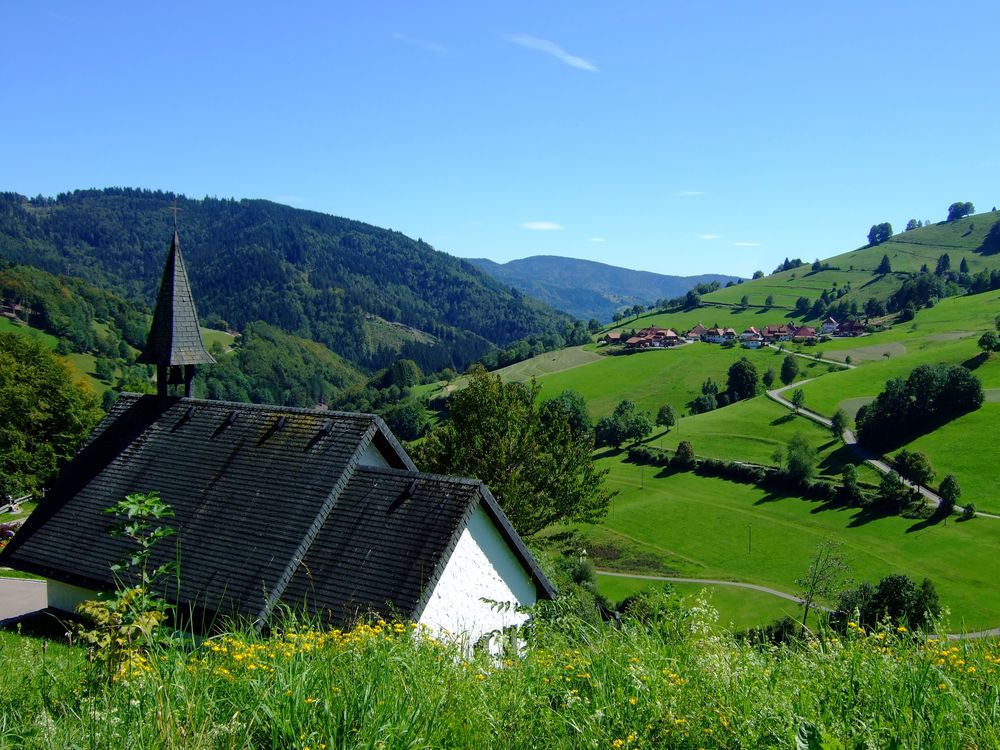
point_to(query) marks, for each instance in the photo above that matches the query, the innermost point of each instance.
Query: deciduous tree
(789, 369)
(839, 422)
(879, 233)
(665, 417)
(44, 414)
(742, 380)
(960, 210)
(950, 491)
(824, 576)
(537, 468)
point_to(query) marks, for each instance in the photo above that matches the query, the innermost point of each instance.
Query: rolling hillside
(586, 289)
(662, 519)
(309, 274)
(907, 252)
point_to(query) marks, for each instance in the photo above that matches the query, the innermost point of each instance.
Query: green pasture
(658, 376)
(710, 315)
(753, 430)
(786, 287)
(211, 336)
(969, 448)
(687, 525)
(9, 326)
(907, 252)
(738, 608)
(826, 394)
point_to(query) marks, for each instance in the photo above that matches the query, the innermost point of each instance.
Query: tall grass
(666, 679)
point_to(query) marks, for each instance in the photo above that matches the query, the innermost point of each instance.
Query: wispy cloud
(746, 244)
(553, 49)
(598, 239)
(542, 226)
(688, 193)
(708, 236)
(424, 44)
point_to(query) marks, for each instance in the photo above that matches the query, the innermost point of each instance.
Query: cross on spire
(173, 209)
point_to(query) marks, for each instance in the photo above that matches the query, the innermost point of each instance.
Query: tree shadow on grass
(609, 453)
(45, 623)
(868, 514)
(833, 463)
(934, 519)
(974, 362)
(666, 471)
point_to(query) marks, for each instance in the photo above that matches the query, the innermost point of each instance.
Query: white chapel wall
(482, 567)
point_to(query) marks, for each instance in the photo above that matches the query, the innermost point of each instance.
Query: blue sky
(677, 138)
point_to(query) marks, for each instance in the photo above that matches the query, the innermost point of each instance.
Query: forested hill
(310, 274)
(586, 289)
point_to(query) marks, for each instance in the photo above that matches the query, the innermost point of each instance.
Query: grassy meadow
(659, 376)
(907, 252)
(665, 523)
(671, 679)
(738, 608)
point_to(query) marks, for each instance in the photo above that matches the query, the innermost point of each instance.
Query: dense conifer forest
(308, 274)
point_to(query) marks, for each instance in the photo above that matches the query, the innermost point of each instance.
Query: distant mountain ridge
(587, 289)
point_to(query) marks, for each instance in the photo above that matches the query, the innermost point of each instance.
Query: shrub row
(765, 477)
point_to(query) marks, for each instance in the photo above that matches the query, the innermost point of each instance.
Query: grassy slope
(907, 252)
(700, 527)
(653, 378)
(753, 430)
(738, 608)
(85, 365)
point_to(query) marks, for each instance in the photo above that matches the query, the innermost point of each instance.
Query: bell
(176, 376)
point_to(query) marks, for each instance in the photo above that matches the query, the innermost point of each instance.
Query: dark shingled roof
(174, 337)
(271, 505)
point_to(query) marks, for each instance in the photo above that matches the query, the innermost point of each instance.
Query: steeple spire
(174, 340)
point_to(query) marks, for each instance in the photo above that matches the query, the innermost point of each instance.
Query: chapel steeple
(174, 344)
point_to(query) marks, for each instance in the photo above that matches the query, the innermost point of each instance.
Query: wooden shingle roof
(271, 505)
(174, 336)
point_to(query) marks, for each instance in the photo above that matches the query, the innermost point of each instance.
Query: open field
(710, 315)
(969, 448)
(210, 336)
(753, 430)
(682, 524)
(653, 378)
(738, 608)
(907, 252)
(82, 365)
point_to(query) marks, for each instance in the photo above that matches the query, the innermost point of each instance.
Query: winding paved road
(851, 441)
(707, 582)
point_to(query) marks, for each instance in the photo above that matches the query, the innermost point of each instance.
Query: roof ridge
(262, 407)
(314, 528)
(425, 475)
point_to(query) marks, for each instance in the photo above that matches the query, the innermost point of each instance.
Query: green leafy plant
(121, 628)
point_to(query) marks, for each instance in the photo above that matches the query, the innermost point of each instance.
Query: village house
(697, 333)
(779, 332)
(718, 335)
(829, 326)
(653, 337)
(752, 338)
(804, 333)
(615, 337)
(851, 328)
(275, 507)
